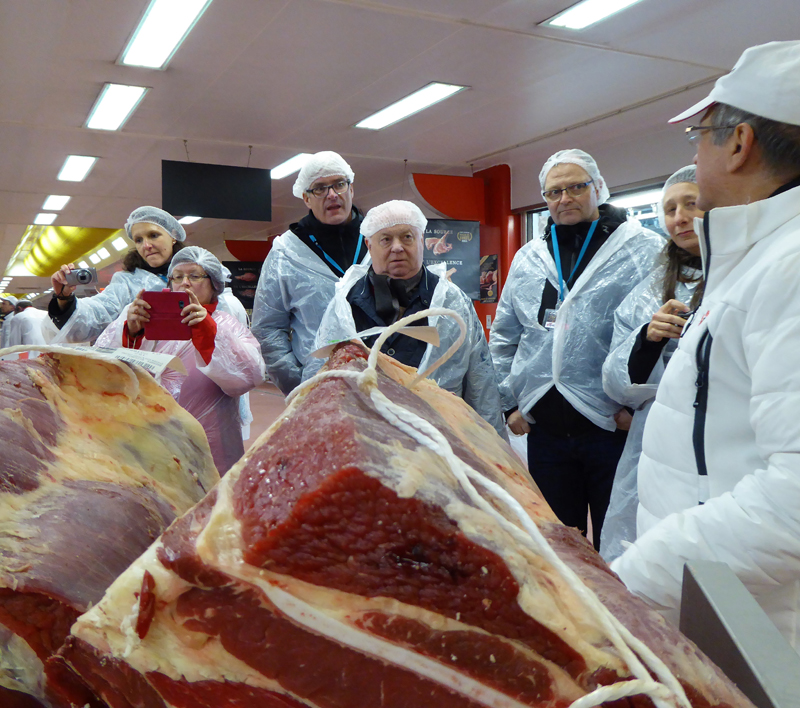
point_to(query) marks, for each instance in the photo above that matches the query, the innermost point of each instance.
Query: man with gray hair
(719, 475)
(397, 284)
(298, 278)
(552, 332)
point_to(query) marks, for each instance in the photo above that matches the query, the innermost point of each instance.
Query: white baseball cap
(765, 81)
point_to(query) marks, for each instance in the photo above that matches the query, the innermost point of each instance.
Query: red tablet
(165, 315)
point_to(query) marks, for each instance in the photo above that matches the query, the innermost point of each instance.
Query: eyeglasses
(694, 132)
(574, 190)
(339, 187)
(191, 276)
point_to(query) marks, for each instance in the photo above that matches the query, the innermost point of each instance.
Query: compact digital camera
(82, 276)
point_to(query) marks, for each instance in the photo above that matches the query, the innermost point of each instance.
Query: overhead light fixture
(45, 218)
(103, 253)
(55, 202)
(293, 164)
(83, 264)
(94, 258)
(189, 219)
(114, 106)
(587, 13)
(165, 25)
(119, 244)
(408, 106)
(76, 167)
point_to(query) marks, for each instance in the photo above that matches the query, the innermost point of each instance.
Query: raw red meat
(341, 564)
(99, 460)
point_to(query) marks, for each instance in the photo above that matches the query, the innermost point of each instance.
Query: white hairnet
(582, 159)
(321, 165)
(11, 299)
(393, 213)
(684, 174)
(217, 272)
(159, 217)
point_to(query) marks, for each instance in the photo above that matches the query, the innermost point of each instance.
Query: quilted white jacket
(745, 511)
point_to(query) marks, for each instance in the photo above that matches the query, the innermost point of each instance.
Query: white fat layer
(20, 668)
(169, 647)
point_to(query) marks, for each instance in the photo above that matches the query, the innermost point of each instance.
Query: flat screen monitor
(216, 191)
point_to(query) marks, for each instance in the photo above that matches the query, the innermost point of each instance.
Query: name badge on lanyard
(550, 314)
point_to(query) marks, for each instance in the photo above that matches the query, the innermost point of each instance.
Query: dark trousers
(575, 473)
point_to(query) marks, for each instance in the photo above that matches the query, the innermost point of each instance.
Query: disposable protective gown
(26, 328)
(210, 392)
(468, 373)
(93, 314)
(293, 291)
(529, 358)
(636, 311)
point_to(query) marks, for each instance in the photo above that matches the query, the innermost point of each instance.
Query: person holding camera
(647, 327)
(222, 358)
(157, 236)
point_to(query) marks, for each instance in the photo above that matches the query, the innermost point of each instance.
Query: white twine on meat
(667, 691)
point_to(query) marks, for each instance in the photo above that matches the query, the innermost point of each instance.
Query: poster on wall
(489, 278)
(458, 245)
(244, 278)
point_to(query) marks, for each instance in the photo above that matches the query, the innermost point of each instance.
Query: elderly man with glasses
(723, 482)
(298, 278)
(552, 333)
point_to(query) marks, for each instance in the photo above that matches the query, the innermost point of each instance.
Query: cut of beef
(98, 461)
(347, 561)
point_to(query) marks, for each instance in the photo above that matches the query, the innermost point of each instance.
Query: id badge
(550, 318)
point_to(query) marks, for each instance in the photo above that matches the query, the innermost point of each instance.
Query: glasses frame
(192, 277)
(327, 188)
(693, 132)
(568, 189)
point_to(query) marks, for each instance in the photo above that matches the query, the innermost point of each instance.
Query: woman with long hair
(647, 326)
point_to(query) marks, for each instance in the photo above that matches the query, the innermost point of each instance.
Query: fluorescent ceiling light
(293, 164)
(114, 106)
(83, 264)
(587, 13)
(639, 199)
(55, 202)
(103, 253)
(189, 219)
(94, 258)
(76, 167)
(162, 30)
(45, 218)
(119, 244)
(405, 107)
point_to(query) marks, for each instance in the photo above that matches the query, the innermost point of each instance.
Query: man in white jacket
(719, 476)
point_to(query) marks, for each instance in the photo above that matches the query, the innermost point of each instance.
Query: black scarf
(339, 241)
(393, 295)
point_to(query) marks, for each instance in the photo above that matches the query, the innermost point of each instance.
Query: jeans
(575, 474)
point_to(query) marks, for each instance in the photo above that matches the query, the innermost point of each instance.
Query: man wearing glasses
(552, 332)
(719, 475)
(299, 276)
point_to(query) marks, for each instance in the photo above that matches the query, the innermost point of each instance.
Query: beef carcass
(348, 560)
(98, 460)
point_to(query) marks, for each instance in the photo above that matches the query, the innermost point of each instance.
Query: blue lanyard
(562, 284)
(329, 259)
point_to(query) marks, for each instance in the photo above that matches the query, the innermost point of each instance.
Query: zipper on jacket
(702, 357)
